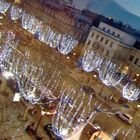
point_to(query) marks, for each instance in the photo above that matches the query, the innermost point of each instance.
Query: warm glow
(125, 69)
(43, 113)
(15, 21)
(51, 113)
(137, 75)
(17, 1)
(101, 136)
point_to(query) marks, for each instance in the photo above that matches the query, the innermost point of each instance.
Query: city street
(73, 78)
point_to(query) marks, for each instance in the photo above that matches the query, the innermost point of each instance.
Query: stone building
(116, 45)
(109, 41)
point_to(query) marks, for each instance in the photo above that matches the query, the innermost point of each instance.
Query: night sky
(132, 6)
(127, 11)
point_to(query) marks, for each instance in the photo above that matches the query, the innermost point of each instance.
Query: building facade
(134, 64)
(116, 45)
